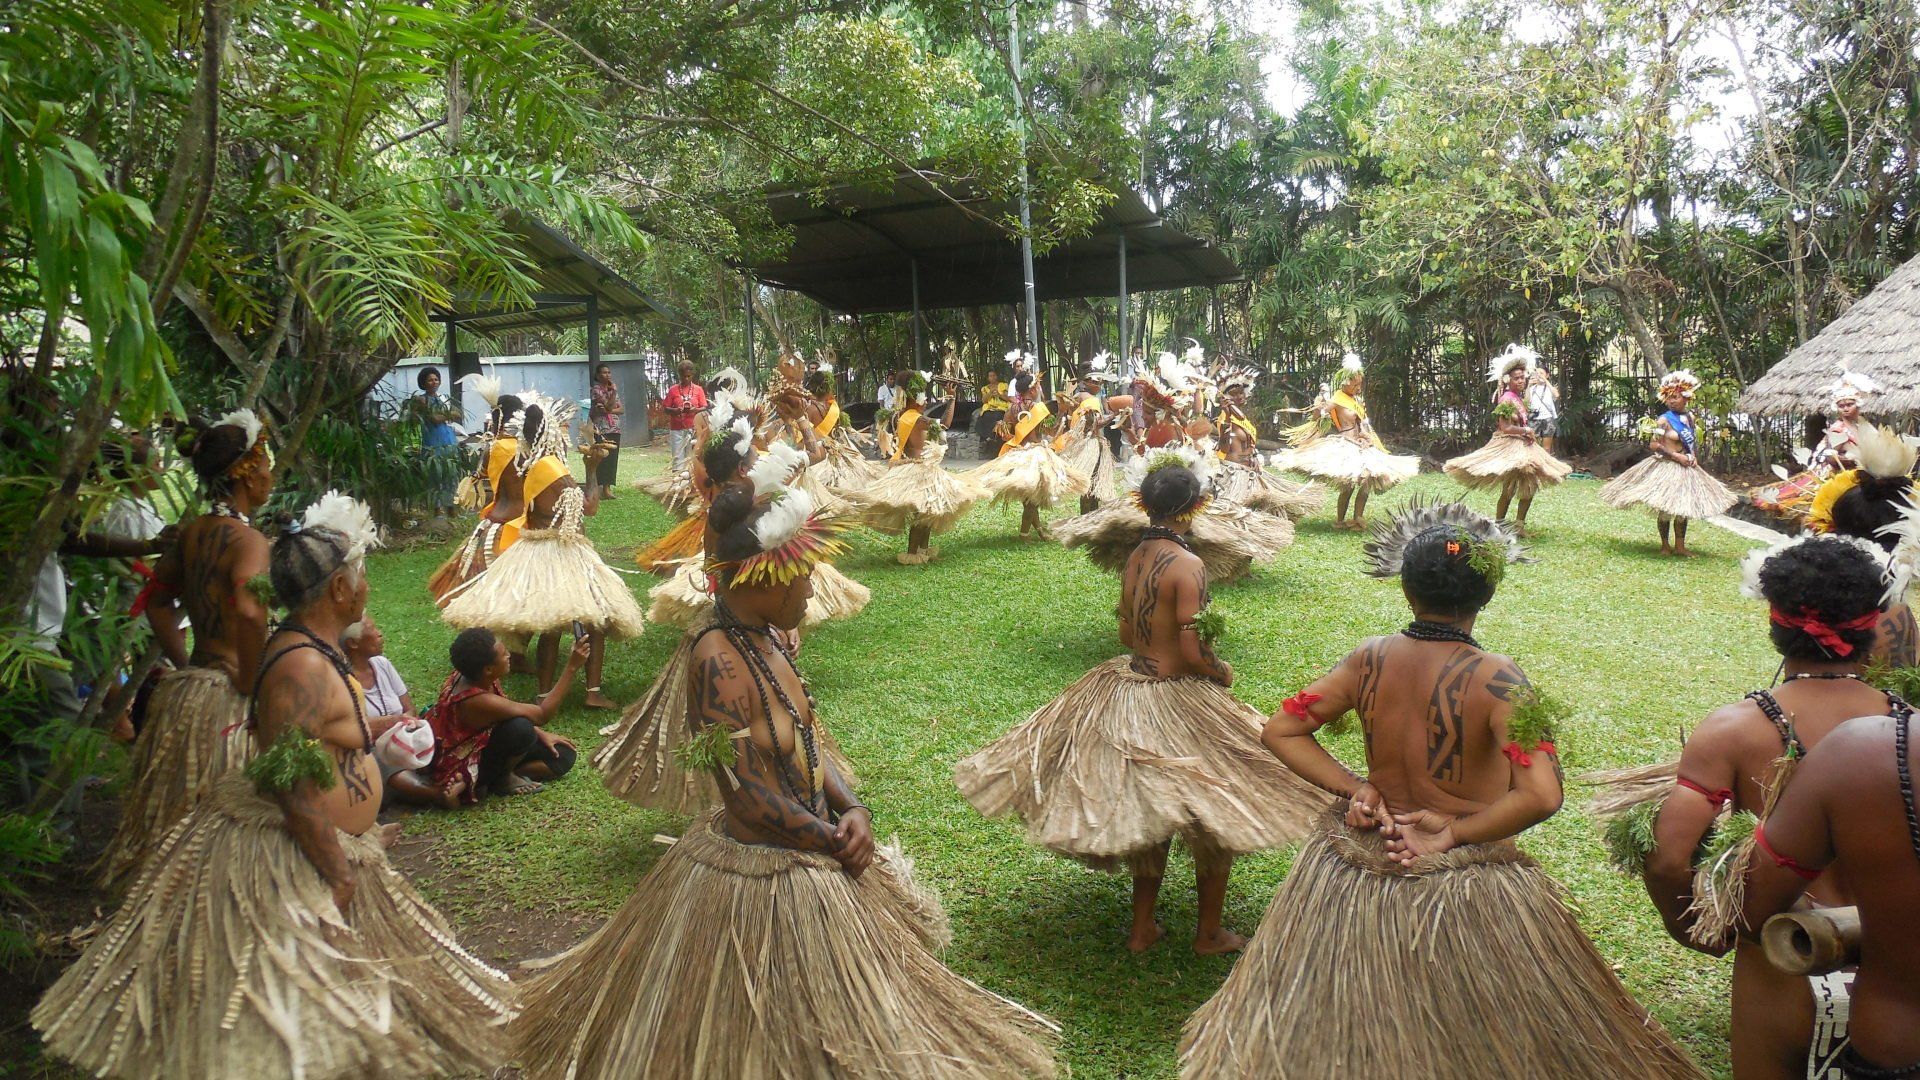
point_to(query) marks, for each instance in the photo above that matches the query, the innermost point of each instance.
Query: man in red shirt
(684, 401)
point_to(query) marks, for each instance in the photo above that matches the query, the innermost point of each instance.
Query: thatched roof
(1879, 337)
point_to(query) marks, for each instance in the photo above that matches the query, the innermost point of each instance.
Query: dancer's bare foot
(1222, 942)
(913, 558)
(1138, 942)
(597, 700)
(1666, 548)
(1685, 552)
(389, 834)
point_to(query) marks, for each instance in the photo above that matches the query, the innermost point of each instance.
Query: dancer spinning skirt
(1432, 949)
(774, 938)
(552, 577)
(1229, 539)
(844, 468)
(233, 956)
(1153, 744)
(674, 489)
(1513, 460)
(1242, 479)
(1029, 471)
(916, 495)
(1083, 443)
(1671, 482)
(1349, 456)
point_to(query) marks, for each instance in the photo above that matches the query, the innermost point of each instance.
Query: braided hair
(303, 562)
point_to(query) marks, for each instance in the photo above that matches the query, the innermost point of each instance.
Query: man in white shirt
(1543, 408)
(888, 395)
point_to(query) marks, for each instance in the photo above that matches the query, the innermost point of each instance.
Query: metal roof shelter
(862, 248)
(572, 287)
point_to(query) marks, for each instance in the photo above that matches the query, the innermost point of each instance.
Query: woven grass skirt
(230, 960)
(637, 761)
(1092, 456)
(1030, 474)
(1257, 489)
(1668, 487)
(1228, 538)
(826, 501)
(672, 489)
(1344, 463)
(1120, 763)
(845, 468)
(547, 580)
(1468, 966)
(196, 732)
(913, 493)
(1505, 459)
(683, 598)
(738, 960)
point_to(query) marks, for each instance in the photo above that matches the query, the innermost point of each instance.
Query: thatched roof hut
(1879, 337)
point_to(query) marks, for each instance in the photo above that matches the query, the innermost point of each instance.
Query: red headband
(1827, 634)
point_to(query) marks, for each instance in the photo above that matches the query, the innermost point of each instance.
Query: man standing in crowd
(685, 400)
(888, 395)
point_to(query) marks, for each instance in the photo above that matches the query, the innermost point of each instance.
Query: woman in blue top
(437, 438)
(1671, 482)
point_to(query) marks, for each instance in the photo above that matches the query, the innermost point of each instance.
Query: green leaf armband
(711, 748)
(293, 757)
(1717, 853)
(1629, 836)
(1209, 625)
(1506, 410)
(262, 589)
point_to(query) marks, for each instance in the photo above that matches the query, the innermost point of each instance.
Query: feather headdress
(1017, 356)
(1140, 466)
(1905, 530)
(1686, 380)
(1752, 563)
(487, 386)
(344, 516)
(1488, 544)
(727, 425)
(774, 468)
(556, 421)
(1515, 356)
(1852, 386)
(1351, 365)
(1884, 452)
(791, 538)
(246, 420)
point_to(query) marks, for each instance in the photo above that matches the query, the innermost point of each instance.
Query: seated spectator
(486, 742)
(388, 703)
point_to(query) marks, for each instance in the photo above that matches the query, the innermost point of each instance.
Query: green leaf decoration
(1487, 557)
(936, 431)
(1506, 410)
(293, 757)
(1629, 837)
(1717, 851)
(1534, 718)
(1209, 625)
(884, 418)
(710, 748)
(1902, 682)
(262, 589)
(1648, 428)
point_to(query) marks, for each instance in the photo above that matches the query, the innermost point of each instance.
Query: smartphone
(579, 630)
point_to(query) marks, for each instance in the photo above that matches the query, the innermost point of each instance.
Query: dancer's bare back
(207, 573)
(1163, 588)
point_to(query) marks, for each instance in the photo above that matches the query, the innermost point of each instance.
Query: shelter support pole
(753, 361)
(919, 343)
(1123, 354)
(453, 357)
(1026, 209)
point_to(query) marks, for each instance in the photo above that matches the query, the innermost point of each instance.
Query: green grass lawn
(949, 656)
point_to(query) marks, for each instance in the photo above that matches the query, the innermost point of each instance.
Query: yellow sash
(1346, 401)
(1034, 417)
(1089, 403)
(1242, 423)
(828, 422)
(902, 427)
(499, 456)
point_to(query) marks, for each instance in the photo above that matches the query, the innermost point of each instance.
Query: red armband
(1523, 758)
(1783, 861)
(1299, 705)
(145, 595)
(1717, 798)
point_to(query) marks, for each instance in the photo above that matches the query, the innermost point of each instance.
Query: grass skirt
(1467, 967)
(1121, 762)
(1668, 487)
(672, 489)
(826, 502)
(196, 731)
(683, 598)
(1092, 456)
(1031, 474)
(1229, 539)
(637, 761)
(738, 960)
(1260, 490)
(1508, 458)
(1344, 463)
(913, 493)
(845, 468)
(548, 579)
(230, 960)
(482, 546)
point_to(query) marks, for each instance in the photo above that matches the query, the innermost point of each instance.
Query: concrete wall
(555, 375)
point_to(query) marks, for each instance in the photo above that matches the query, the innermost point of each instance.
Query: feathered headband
(345, 517)
(1475, 538)
(1017, 356)
(1852, 386)
(1516, 356)
(246, 420)
(1685, 380)
(729, 426)
(1884, 452)
(791, 538)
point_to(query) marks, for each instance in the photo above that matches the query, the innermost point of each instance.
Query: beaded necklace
(740, 635)
(1425, 630)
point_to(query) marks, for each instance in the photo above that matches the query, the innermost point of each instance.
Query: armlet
(293, 757)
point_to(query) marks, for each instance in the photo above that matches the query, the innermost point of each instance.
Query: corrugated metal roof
(566, 276)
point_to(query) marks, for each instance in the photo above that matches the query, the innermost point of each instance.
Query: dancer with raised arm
(1028, 470)
(1513, 460)
(775, 937)
(1151, 745)
(1412, 939)
(1671, 482)
(268, 936)
(1339, 447)
(195, 728)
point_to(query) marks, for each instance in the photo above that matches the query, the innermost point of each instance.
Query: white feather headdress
(1351, 364)
(346, 516)
(1884, 452)
(783, 518)
(1515, 356)
(1753, 561)
(487, 386)
(1686, 380)
(1852, 386)
(724, 418)
(774, 468)
(1905, 531)
(246, 420)
(1186, 457)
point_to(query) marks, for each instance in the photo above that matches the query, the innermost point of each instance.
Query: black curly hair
(1170, 492)
(213, 451)
(420, 380)
(1443, 582)
(472, 652)
(1872, 502)
(819, 384)
(722, 461)
(730, 535)
(1828, 577)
